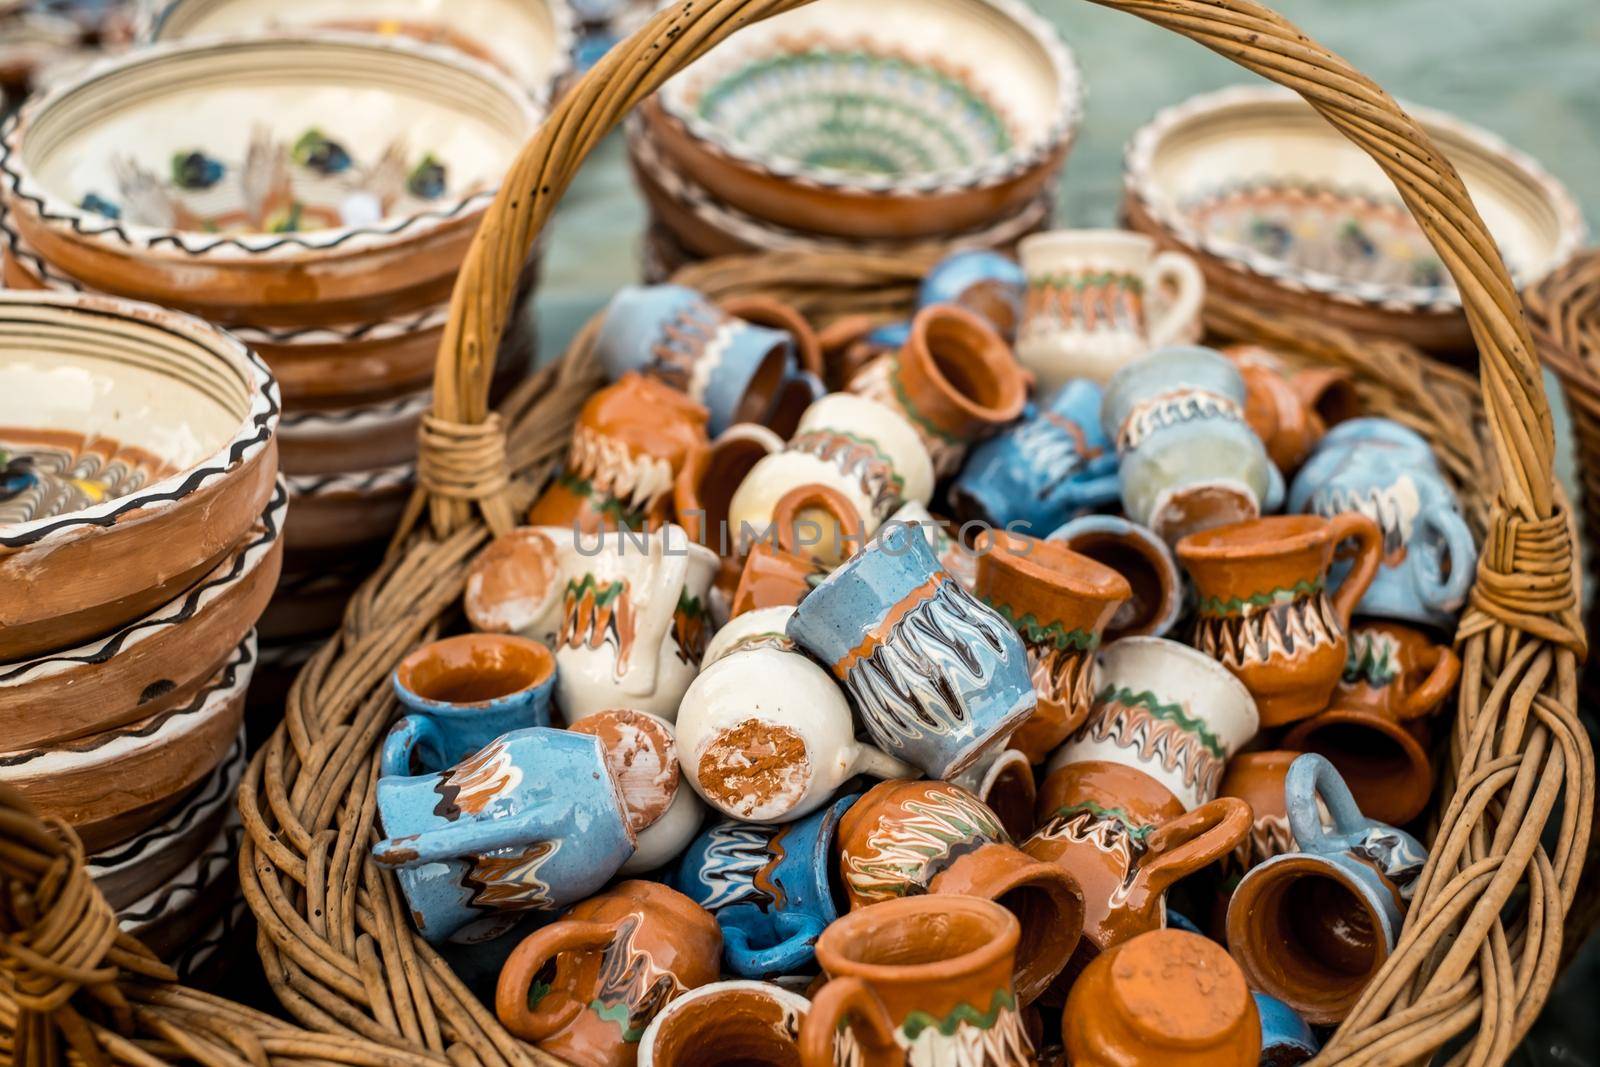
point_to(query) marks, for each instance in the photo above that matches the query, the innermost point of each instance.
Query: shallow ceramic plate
(531, 40)
(136, 448)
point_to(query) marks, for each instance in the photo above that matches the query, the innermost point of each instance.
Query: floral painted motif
(45, 473)
(904, 853)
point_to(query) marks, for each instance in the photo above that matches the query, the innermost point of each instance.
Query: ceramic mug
(673, 334)
(1264, 606)
(1288, 410)
(1145, 563)
(1006, 785)
(953, 556)
(727, 1024)
(1188, 460)
(1312, 927)
(1038, 475)
(1167, 711)
(703, 490)
(464, 692)
(642, 752)
(1085, 315)
(531, 822)
(619, 958)
(1286, 1039)
(514, 585)
(937, 678)
(1258, 779)
(771, 888)
(989, 284)
(918, 982)
(905, 838)
(634, 621)
(1059, 603)
(803, 385)
(811, 525)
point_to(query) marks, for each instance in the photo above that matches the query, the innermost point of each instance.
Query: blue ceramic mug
(986, 283)
(1286, 1039)
(769, 887)
(937, 677)
(534, 821)
(672, 333)
(1043, 472)
(464, 692)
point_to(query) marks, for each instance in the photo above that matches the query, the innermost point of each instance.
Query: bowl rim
(353, 484)
(1138, 183)
(22, 189)
(1069, 110)
(253, 435)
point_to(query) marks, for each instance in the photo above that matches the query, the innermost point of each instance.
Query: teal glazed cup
(464, 692)
(1312, 927)
(1286, 1039)
(937, 677)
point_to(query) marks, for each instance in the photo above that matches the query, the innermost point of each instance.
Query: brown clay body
(781, 574)
(1290, 411)
(1257, 779)
(1060, 603)
(1265, 612)
(727, 1024)
(705, 486)
(619, 958)
(1167, 998)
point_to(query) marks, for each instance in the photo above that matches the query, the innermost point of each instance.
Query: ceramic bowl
(153, 664)
(111, 785)
(1281, 210)
(273, 181)
(171, 917)
(337, 512)
(894, 119)
(529, 40)
(136, 449)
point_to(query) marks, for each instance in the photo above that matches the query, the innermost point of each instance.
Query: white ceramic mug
(516, 584)
(1089, 309)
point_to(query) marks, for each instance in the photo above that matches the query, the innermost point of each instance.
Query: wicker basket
(1480, 949)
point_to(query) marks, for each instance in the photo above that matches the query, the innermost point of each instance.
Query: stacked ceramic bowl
(141, 522)
(312, 193)
(889, 126)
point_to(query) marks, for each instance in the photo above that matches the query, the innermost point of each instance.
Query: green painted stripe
(910, 409)
(1213, 605)
(962, 1014)
(1051, 633)
(620, 1014)
(603, 594)
(1173, 713)
(1137, 830)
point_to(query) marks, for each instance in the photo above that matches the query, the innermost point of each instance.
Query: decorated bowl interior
(891, 95)
(1255, 176)
(243, 142)
(531, 40)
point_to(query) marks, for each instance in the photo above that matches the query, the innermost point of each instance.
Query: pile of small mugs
(736, 598)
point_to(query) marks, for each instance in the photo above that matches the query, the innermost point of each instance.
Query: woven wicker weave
(1480, 948)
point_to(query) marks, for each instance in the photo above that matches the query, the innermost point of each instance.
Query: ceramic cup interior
(738, 1024)
(1129, 558)
(955, 934)
(955, 343)
(475, 668)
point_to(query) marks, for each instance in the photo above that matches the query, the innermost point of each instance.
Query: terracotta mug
(1007, 786)
(704, 488)
(1257, 778)
(811, 524)
(1167, 998)
(1290, 412)
(642, 752)
(1265, 612)
(619, 958)
(918, 982)
(1145, 563)
(990, 284)
(727, 1024)
(905, 838)
(1059, 602)
(514, 585)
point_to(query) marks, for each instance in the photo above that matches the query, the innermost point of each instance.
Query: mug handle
(524, 965)
(1194, 840)
(849, 1002)
(876, 763)
(800, 931)
(459, 840)
(1369, 556)
(1443, 672)
(822, 497)
(1311, 776)
(410, 734)
(1191, 286)
(1438, 592)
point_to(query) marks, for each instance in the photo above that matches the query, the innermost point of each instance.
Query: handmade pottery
(359, 437)
(284, 180)
(943, 131)
(1007, 787)
(619, 958)
(906, 838)
(1314, 926)
(1188, 459)
(945, 542)
(628, 445)
(954, 380)
(760, 628)
(1265, 609)
(1373, 731)
(1167, 711)
(1429, 555)
(727, 1024)
(642, 752)
(1291, 411)
(771, 888)
(988, 284)
(1286, 1039)
(1059, 603)
(136, 445)
(937, 678)
(918, 982)
(173, 916)
(863, 449)
(533, 821)
(1145, 563)
(332, 515)
(1085, 315)
(1167, 998)
(634, 622)
(703, 490)
(110, 786)
(803, 386)
(1257, 778)
(812, 526)
(850, 342)
(515, 584)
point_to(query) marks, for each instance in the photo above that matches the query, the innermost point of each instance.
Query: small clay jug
(619, 958)
(514, 585)
(1145, 563)
(1060, 603)
(904, 838)
(1167, 998)
(704, 487)
(1291, 411)
(810, 525)
(1265, 612)
(918, 982)
(727, 1024)
(1257, 778)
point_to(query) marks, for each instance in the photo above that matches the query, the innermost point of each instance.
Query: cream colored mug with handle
(1089, 309)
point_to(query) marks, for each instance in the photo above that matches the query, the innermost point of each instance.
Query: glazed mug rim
(835, 945)
(991, 353)
(1079, 240)
(1286, 534)
(404, 673)
(1015, 554)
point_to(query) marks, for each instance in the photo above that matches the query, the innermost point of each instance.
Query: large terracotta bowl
(275, 181)
(334, 513)
(1282, 211)
(137, 447)
(891, 119)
